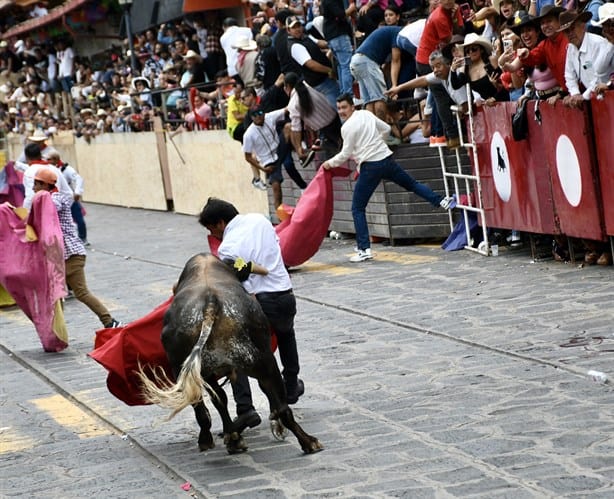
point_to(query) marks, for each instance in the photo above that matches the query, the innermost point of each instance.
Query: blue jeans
(330, 89)
(342, 49)
(371, 174)
(77, 216)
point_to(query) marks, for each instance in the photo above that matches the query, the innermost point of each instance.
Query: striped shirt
(322, 115)
(72, 243)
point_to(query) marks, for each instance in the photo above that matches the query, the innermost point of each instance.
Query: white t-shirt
(262, 141)
(253, 238)
(28, 183)
(65, 62)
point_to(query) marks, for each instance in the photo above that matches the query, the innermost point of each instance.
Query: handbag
(520, 125)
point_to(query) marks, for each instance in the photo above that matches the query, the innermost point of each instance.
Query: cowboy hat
(245, 43)
(569, 17)
(142, 79)
(86, 110)
(101, 112)
(521, 19)
(38, 136)
(190, 54)
(549, 10)
(475, 39)
(606, 13)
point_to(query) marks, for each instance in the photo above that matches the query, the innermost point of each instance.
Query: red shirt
(552, 52)
(437, 32)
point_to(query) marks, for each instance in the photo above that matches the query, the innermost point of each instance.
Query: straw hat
(86, 110)
(475, 39)
(38, 136)
(245, 43)
(190, 54)
(606, 13)
(101, 112)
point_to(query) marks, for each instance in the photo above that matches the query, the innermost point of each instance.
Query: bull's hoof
(312, 446)
(234, 443)
(205, 442)
(278, 430)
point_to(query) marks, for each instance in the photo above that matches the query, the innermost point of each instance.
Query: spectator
(585, 53)
(65, 57)
(232, 34)
(246, 61)
(370, 16)
(310, 61)
(194, 71)
(366, 67)
(203, 110)
(267, 64)
(338, 33)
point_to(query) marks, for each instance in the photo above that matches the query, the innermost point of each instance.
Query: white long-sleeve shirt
(363, 139)
(75, 181)
(590, 64)
(28, 183)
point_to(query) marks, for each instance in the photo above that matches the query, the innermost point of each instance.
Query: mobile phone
(507, 44)
(465, 9)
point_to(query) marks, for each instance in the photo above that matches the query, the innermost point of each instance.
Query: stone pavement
(427, 373)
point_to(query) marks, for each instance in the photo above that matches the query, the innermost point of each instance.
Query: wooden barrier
(127, 169)
(392, 213)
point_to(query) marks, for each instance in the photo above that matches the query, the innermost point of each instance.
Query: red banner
(570, 153)
(515, 176)
(603, 126)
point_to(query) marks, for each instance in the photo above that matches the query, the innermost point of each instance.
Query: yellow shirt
(234, 104)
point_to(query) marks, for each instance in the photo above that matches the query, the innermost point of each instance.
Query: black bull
(214, 328)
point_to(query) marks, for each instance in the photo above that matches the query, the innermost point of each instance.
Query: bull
(214, 328)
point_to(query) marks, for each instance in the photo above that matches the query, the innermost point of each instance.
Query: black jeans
(280, 309)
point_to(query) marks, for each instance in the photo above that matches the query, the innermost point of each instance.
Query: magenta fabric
(33, 272)
(11, 185)
(302, 233)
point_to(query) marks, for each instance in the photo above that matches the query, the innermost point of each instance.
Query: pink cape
(121, 349)
(33, 272)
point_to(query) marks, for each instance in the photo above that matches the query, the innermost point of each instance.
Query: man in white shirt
(590, 58)
(65, 57)
(260, 143)
(232, 34)
(363, 140)
(252, 238)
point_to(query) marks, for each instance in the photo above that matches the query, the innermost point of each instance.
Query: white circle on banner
(500, 164)
(568, 169)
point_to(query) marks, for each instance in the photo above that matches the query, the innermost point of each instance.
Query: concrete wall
(131, 169)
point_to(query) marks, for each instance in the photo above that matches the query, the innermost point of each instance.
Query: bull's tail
(188, 390)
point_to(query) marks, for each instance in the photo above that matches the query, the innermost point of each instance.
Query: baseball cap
(293, 21)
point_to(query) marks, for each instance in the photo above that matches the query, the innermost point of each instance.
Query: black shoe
(292, 395)
(113, 323)
(308, 159)
(249, 419)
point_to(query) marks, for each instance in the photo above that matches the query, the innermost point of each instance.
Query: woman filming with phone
(477, 69)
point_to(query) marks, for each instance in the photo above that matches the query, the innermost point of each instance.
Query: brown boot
(605, 258)
(591, 257)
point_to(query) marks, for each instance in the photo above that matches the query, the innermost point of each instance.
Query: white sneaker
(259, 184)
(448, 203)
(362, 255)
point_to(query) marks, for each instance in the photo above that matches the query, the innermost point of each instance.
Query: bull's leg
(205, 439)
(272, 384)
(232, 439)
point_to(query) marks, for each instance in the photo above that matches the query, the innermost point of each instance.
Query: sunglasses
(473, 48)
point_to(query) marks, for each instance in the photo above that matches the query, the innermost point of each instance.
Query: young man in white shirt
(260, 143)
(363, 140)
(252, 238)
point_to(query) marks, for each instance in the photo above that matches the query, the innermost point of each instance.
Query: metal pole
(130, 41)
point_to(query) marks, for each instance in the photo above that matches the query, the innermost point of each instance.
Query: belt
(544, 94)
(271, 294)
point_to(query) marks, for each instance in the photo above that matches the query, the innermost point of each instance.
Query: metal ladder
(462, 182)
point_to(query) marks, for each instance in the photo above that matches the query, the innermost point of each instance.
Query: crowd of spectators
(47, 85)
